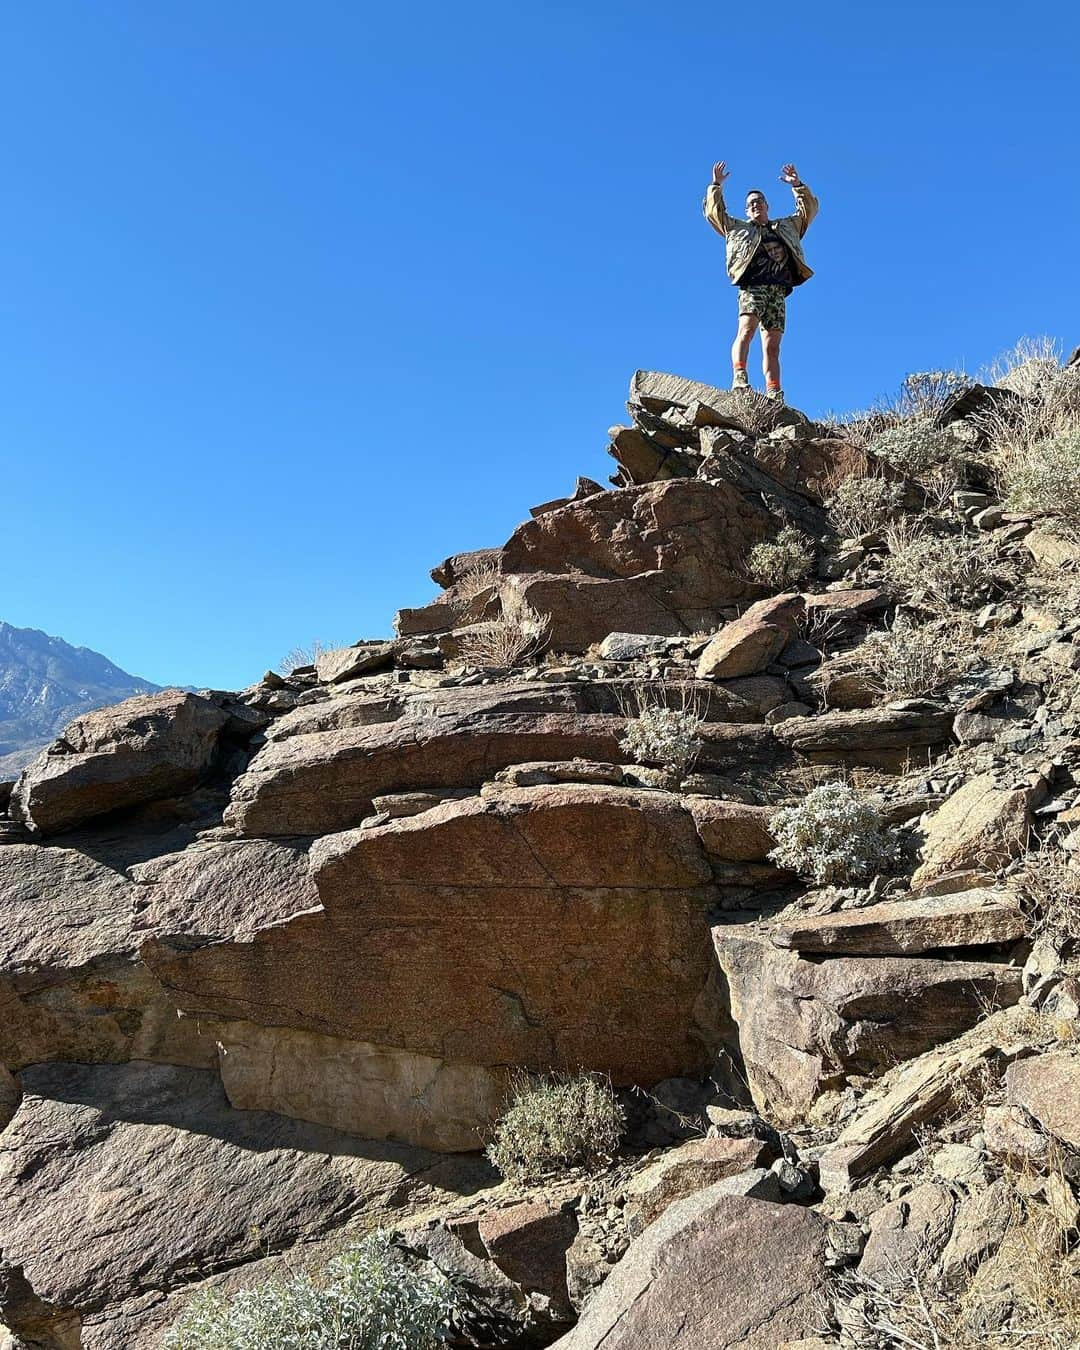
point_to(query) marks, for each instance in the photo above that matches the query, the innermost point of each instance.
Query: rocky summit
(747, 785)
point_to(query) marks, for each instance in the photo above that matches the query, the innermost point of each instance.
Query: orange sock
(770, 383)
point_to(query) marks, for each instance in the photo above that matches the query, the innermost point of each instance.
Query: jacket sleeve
(806, 207)
(715, 211)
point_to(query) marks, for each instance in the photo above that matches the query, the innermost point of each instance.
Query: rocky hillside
(748, 784)
(44, 683)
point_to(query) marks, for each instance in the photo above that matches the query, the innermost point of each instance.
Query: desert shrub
(861, 506)
(554, 1123)
(367, 1298)
(941, 573)
(833, 836)
(917, 446)
(782, 561)
(517, 636)
(910, 660)
(656, 733)
(1028, 369)
(1044, 478)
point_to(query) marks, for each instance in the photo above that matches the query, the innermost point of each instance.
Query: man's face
(757, 208)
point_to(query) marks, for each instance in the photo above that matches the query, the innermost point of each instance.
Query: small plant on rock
(942, 572)
(924, 393)
(861, 506)
(782, 561)
(367, 1298)
(833, 836)
(555, 1123)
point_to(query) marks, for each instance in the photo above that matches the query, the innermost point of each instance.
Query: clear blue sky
(299, 298)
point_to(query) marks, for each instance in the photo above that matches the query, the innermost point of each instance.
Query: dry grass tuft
(1049, 888)
(941, 573)
(518, 636)
(911, 660)
(305, 655)
(555, 1123)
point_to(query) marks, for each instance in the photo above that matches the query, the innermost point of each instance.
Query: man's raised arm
(713, 206)
(806, 204)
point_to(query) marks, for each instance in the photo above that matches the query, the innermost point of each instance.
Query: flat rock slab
(980, 825)
(907, 927)
(124, 1182)
(714, 1272)
(871, 735)
(150, 746)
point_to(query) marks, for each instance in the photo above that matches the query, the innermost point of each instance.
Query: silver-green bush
(782, 561)
(367, 1298)
(833, 836)
(554, 1123)
(942, 572)
(1046, 481)
(916, 446)
(664, 736)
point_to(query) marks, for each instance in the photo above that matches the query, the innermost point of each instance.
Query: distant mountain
(44, 683)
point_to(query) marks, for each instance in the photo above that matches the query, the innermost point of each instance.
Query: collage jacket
(743, 237)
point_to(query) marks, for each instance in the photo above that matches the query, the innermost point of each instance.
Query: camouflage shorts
(767, 302)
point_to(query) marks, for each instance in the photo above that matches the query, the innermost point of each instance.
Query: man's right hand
(720, 173)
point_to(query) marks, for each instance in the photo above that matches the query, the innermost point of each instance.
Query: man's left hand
(789, 174)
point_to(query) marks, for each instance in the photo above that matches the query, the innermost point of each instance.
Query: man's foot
(775, 395)
(739, 378)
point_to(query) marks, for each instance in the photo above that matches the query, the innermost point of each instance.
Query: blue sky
(299, 298)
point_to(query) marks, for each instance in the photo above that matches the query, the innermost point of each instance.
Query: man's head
(757, 208)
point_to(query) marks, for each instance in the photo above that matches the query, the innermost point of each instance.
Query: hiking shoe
(740, 380)
(775, 395)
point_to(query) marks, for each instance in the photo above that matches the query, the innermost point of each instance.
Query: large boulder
(1048, 1089)
(714, 1272)
(981, 825)
(150, 746)
(804, 1025)
(154, 1181)
(554, 927)
(748, 645)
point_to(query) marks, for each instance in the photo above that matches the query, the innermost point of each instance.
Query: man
(765, 260)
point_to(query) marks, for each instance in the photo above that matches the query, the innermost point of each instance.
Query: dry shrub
(475, 580)
(859, 506)
(519, 635)
(783, 561)
(924, 393)
(1049, 889)
(305, 655)
(939, 573)
(911, 660)
(1028, 369)
(554, 1123)
(1045, 480)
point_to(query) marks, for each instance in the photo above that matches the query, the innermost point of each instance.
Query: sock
(770, 383)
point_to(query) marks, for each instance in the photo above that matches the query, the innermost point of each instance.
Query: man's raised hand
(720, 173)
(789, 174)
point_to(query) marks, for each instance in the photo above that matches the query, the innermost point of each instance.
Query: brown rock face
(686, 1169)
(714, 1272)
(1048, 1088)
(658, 559)
(804, 1025)
(558, 926)
(746, 646)
(151, 746)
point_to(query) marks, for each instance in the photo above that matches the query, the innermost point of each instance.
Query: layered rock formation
(287, 946)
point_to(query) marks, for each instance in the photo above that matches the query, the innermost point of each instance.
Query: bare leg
(770, 356)
(740, 348)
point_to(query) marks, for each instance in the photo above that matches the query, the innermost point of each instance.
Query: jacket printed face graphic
(743, 237)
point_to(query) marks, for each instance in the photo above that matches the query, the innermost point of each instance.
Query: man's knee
(771, 338)
(747, 325)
